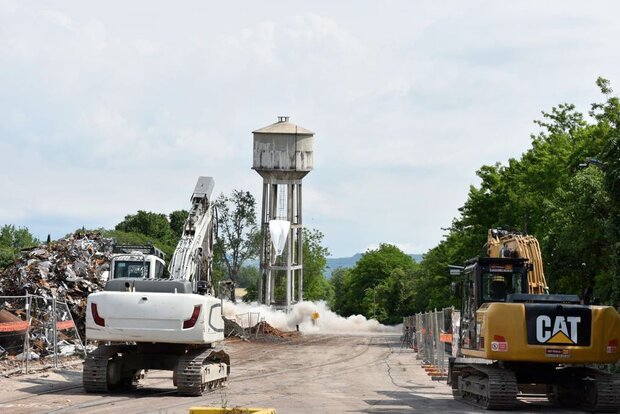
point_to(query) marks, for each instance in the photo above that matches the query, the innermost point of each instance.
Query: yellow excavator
(514, 335)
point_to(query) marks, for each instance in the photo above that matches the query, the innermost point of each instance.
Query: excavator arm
(502, 243)
(193, 255)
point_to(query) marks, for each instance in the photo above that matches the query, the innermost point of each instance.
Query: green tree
(608, 128)
(155, 225)
(238, 238)
(577, 242)
(12, 240)
(177, 221)
(316, 287)
(339, 282)
(368, 287)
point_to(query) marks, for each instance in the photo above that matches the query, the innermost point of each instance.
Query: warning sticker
(499, 346)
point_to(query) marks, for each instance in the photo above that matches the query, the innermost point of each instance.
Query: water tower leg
(272, 286)
(288, 289)
(300, 246)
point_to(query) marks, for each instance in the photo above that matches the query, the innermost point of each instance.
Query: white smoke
(301, 315)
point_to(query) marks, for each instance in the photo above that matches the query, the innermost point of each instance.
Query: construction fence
(35, 327)
(433, 336)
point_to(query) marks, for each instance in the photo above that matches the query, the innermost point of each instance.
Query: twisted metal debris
(67, 270)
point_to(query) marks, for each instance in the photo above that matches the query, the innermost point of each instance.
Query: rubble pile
(68, 269)
(267, 329)
(260, 330)
(232, 328)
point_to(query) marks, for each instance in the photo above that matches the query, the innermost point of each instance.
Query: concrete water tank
(283, 149)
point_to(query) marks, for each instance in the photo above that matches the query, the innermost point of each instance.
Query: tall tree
(608, 117)
(238, 238)
(316, 287)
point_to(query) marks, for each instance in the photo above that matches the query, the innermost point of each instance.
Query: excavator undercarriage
(496, 386)
(115, 368)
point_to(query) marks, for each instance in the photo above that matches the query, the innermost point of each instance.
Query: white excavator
(144, 319)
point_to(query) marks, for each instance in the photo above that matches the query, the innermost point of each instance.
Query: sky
(107, 108)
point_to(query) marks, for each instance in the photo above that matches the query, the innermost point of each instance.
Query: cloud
(103, 113)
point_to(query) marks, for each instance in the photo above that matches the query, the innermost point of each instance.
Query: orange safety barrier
(445, 337)
(13, 326)
(65, 325)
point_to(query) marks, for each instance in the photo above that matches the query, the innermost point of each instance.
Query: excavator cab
(493, 279)
(488, 280)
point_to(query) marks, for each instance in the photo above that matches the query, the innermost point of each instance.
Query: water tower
(282, 156)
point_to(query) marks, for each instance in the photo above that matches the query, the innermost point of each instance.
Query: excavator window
(129, 269)
(497, 286)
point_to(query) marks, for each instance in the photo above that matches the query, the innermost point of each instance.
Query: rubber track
(95, 372)
(500, 384)
(189, 373)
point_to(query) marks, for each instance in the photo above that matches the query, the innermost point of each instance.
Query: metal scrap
(67, 270)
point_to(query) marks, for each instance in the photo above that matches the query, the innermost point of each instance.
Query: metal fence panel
(431, 335)
(33, 327)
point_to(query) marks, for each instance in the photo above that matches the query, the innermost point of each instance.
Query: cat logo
(558, 324)
(559, 330)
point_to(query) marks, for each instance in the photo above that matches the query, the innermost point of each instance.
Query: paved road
(307, 374)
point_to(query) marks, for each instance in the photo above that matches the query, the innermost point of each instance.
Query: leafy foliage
(379, 286)
(12, 240)
(155, 225)
(238, 237)
(316, 287)
(177, 220)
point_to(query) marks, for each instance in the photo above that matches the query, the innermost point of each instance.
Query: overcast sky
(114, 107)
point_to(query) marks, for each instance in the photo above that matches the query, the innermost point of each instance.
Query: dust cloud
(301, 315)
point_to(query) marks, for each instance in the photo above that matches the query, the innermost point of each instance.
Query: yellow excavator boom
(501, 243)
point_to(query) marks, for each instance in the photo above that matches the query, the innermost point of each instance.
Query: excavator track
(201, 370)
(607, 393)
(488, 387)
(598, 391)
(95, 376)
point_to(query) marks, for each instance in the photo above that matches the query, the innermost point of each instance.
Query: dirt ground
(300, 374)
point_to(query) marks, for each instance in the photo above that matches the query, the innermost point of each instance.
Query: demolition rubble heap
(68, 269)
(261, 330)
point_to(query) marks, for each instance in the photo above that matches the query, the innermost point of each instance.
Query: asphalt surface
(305, 374)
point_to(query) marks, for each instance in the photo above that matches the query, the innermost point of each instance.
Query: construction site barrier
(432, 336)
(32, 327)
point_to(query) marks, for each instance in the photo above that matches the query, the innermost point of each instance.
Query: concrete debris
(32, 357)
(68, 270)
(232, 328)
(66, 349)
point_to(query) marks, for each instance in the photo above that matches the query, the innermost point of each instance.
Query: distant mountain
(348, 262)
